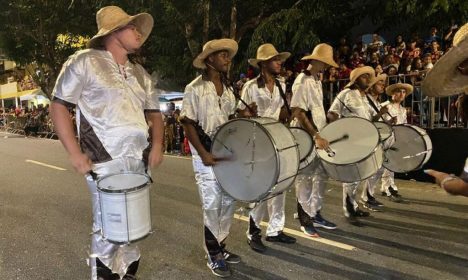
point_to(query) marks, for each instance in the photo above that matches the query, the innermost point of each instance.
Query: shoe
(383, 194)
(360, 214)
(395, 198)
(368, 205)
(256, 244)
(394, 192)
(129, 277)
(375, 202)
(319, 221)
(219, 267)
(281, 237)
(310, 231)
(231, 257)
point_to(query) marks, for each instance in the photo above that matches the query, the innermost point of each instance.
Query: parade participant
(449, 76)
(208, 103)
(352, 102)
(308, 98)
(376, 88)
(112, 95)
(267, 92)
(398, 92)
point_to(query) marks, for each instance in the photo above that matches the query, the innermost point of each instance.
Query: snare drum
(411, 150)
(260, 158)
(306, 146)
(125, 207)
(357, 150)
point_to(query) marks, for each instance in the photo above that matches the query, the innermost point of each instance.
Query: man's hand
(155, 157)
(438, 176)
(383, 110)
(321, 143)
(81, 163)
(208, 159)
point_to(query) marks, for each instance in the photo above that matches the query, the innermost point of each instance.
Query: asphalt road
(45, 221)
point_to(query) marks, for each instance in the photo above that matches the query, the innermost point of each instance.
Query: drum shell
(308, 155)
(125, 213)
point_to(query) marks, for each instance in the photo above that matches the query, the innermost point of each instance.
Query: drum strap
(371, 102)
(283, 95)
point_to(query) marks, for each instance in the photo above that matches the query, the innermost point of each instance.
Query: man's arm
(300, 115)
(192, 135)
(156, 154)
(63, 126)
(452, 184)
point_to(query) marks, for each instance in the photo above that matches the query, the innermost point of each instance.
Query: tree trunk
(233, 27)
(206, 20)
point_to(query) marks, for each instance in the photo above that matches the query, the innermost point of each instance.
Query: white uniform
(268, 105)
(110, 103)
(202, 104)
(388, 180)
(350, 103)
(310, 182)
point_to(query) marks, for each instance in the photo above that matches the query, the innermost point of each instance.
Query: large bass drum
(355, 151)
(307, 152)
(411, 150)
(259, 158)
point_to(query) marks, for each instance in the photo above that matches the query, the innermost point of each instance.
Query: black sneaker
(319, 221)
(282, 238)
(360, 214)
(256, 244)
(310, 231)
(218, 266)
(231, 257)
(375, 202)
(368, 205)
(395, 198)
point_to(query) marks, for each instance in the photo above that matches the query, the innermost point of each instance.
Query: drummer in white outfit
(308, 97)
(208, 103)
(112, 96)
(380, 114)
(268, 93)
(352, 102)
(398, 93)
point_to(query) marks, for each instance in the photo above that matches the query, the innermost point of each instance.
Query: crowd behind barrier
(28, 122)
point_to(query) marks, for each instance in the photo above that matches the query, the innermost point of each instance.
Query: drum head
(250, 165)
(305, 142)
(123, 182)
(359, 139)
(412, 148)
(385, 130)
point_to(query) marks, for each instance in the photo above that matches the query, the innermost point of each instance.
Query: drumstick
(223, 145)
(243, 102)
(416, 155)
(344, 137)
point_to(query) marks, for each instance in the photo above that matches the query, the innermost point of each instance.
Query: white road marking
(300, 234)
(46, 165)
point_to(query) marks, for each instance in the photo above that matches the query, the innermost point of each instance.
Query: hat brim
(282, 55)
(391, 88)
(325, 60)
(444, 79)
(228, 45)
(144, 23)
(366, 70)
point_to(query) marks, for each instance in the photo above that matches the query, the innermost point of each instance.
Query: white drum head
(304, 140)
(250, 159)
(124, 182)
(412, 148)
(359, 139)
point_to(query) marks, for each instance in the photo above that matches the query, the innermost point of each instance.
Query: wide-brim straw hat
(266, 52)
(213, 46)
(112, 18)
(390, 90)
(324, 53)
(381, 77)
(357, 72)
(444, 78)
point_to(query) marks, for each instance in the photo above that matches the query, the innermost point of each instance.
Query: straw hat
(381, 77)
(324, 53)
(266, 52)
(392, 88)
(111, 18)
(444, 78)
(357, 72)
(213, 46)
